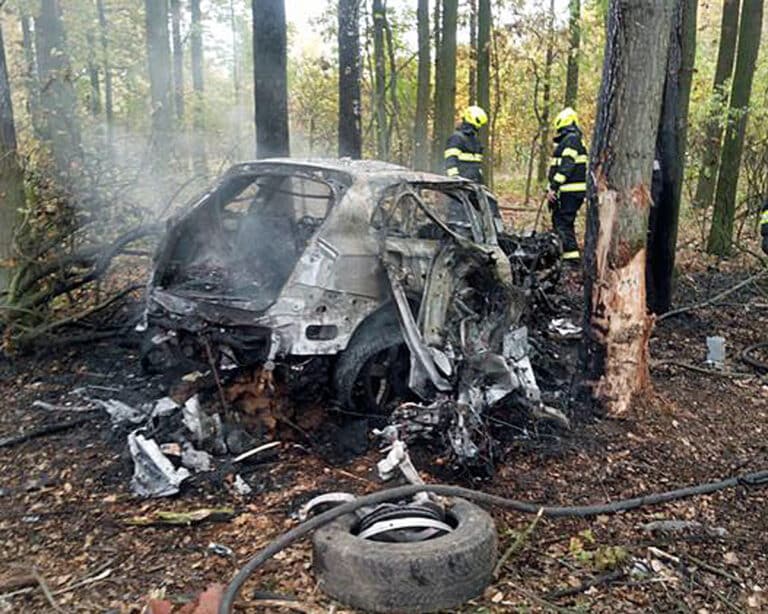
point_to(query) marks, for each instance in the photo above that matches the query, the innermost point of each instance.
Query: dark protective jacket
(464, 153)
(568, 167)
(764, 219)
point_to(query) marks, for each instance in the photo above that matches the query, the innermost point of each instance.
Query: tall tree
(59, 104)
(484, 19)
(93, 76)
(574, 47)
(472, 81)
(159, 58)
(178, 59)
(750, 28)
(421, 129)
(31, 81)
(350, 135)
(713, 131)
(380, 80)
(107, 67)
(618, 327)
(445, 81)
(198, 116)
(270, 78)
(545, 147)
(671, 143)
(11, 176)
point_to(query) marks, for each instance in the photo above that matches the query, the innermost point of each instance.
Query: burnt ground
(65, 498)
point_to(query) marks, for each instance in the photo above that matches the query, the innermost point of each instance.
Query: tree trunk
(617, 326)
(574, 44)
(107, 67)
(159, 57)
(350, 120)
(31, 81)
(545, 147)
(11, 177)
(270, 78)
(445, 82)
(59, 104)
(721, 232)
(670, 147)
(421, 128)
(178, 60)
(198, 115)
(472, 81)
(380, 80)
(713, 131)
(93, 77)
(394, 121)
(237, 86)
(484, 19)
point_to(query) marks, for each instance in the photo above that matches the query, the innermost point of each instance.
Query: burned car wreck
(389, 283)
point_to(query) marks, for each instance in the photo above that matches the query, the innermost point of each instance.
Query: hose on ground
(747, 356)
(759, 478)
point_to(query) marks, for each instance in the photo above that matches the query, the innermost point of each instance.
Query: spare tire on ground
(425, 576)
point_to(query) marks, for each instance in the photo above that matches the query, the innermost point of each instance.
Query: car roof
(357, 169)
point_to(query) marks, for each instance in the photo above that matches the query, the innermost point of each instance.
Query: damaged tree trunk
(615, 352)
(350, 135)
(270, 78)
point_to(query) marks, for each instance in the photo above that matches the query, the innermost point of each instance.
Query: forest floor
(65, 498)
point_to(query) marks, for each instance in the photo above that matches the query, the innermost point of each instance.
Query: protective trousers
(563, 219)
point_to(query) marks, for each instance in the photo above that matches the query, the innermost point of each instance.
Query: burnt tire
(352, 372)
(427, 576)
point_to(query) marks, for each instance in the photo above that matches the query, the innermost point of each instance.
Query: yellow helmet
(475, 116)
(566, 117)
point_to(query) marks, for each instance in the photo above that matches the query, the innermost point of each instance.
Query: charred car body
(392, 280)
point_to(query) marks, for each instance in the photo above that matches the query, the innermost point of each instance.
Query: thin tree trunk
(59, 104)
(11, 177)
(713, 131)
(421, 128)
(198, 87)
(178, 60)
(445, 82)
(750, 28)
(546, 100)
(380, 80)
(394, 121)
(237, 86)
(31, 81)
(617, 325)
(93, 77)
(350, 120)
(484, 19)
(574, 44)
(270, 78)
(159, 57)
(670, 147)
(107, 67)
(472, 81)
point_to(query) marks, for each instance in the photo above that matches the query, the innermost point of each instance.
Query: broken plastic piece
(241, 486)
(563, 328)
(153, 474)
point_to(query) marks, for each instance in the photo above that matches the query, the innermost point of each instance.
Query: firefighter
(567, 180)
(764, 225)
(463, 151)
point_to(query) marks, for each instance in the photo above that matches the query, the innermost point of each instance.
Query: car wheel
(373, 371)
(424, 576)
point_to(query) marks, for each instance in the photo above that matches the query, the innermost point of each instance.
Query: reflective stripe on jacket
(464, 154)
(568, 167)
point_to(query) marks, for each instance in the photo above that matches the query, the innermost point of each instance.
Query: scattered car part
(153, 474)
(564, 328)
(329, 498)
(756, 479)
(423, 576)
(258, 450)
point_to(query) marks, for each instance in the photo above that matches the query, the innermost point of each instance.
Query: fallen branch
(714, 299)
(698, 369)
(517, 545)
(7, 442)
(46, 591)
(607, 578)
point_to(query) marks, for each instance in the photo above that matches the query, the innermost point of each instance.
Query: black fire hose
(759, 478)
(747, 356)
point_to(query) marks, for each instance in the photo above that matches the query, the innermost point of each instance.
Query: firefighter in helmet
(463, 151)
(567, 180)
